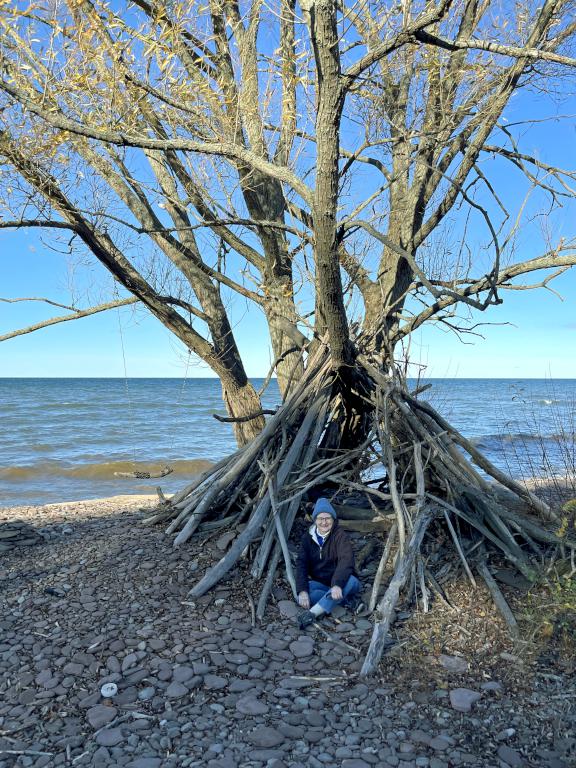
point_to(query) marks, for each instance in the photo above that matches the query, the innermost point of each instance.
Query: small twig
(334, 640)
(563, 696)
(252, 608)
(321, 679)
(422, 584)
(117, 721)
(437, 589)
(459, 549)
(145, 475)
(23, 752)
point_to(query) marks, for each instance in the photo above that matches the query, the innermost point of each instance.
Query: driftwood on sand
(430, 481)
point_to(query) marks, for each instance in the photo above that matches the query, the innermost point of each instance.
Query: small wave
(487, 442)
(547, 401)
(100, 471)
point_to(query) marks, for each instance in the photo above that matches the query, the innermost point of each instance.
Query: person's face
(324, 523)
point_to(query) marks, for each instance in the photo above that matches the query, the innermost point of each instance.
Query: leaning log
(386, 609)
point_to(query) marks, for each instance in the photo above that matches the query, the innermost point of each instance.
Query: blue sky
(532, 335)
(537, 341)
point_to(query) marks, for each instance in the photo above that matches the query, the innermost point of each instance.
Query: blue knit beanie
(323, 505)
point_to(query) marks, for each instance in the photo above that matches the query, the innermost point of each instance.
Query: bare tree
(324, 151)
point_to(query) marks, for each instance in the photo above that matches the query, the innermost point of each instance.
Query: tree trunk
(331, 313)
(241, 401)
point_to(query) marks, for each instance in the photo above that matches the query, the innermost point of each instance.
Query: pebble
(101, 715)
(462, 699)
(176, 691)
(510, 756)
(506, 733)
(109, 737)
(302, 648)
(214, 682)
(266, 737)
(288, 609)
(182, 674)
(454, 664)
(491, 685)
(252, 706)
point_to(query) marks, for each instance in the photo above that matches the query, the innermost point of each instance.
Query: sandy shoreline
(119, 503)
(553, 491)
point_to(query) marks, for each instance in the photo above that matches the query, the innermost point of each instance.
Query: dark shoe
(305, 619)
(354, 604)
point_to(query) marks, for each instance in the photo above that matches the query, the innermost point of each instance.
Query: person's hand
(304, 600)
(336, 593)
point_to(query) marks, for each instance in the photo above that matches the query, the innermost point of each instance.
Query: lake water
(63, 439)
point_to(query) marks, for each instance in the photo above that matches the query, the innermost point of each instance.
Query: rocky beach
(106, 661)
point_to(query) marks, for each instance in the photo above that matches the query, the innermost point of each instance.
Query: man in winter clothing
(325, 574)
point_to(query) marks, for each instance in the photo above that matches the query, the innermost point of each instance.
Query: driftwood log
(430, 476)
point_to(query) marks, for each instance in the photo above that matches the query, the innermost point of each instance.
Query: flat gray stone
(224, 541)
(462, 699)
(109, 737)
(73, 669)
(100, 715)
(250, 705)
(453, 663)
(288, 609)
(510, 756)
(176, 691)
(266, 737)
(214, 682)
(491, 685)
(265, 755)
(182, 674)
(238, 684)
(302, 648)
(440, 743)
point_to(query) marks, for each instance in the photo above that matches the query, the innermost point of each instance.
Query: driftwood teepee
(428, 477)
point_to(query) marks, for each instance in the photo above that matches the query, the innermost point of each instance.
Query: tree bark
(330, 95)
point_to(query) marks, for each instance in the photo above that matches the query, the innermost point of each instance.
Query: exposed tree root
(429, 486)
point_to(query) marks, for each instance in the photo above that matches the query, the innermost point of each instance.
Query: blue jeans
(321, 594)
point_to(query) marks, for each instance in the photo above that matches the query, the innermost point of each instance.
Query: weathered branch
(75, 315)
(242, 419)
(511, 51)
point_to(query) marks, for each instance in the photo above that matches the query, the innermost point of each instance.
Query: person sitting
(325, 572)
